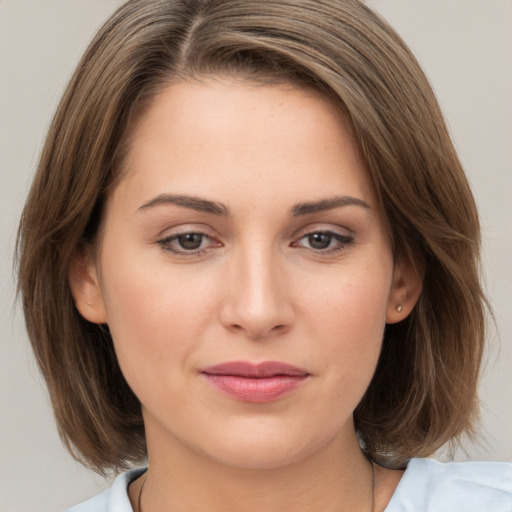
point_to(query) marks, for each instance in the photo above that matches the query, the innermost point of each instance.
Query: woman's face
(245, 230)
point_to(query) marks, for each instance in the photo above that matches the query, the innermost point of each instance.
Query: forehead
(229, 138)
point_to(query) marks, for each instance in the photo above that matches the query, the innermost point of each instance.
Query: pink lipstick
(257, 383)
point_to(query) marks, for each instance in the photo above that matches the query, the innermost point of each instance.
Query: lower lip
(256, 390)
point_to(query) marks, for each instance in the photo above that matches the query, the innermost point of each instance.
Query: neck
(336, 478)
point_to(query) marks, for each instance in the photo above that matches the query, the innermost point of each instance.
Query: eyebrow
(327, 204)
(204, 205)
(194, 203)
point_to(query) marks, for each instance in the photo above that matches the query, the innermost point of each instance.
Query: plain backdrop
(465, 46)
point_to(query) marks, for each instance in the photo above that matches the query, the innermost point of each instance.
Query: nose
(257, 299)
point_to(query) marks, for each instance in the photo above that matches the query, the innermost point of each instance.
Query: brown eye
(324, 242)
(190, 241)
(187, 244)
(320, 240)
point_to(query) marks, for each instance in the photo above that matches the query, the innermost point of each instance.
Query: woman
(250, 255)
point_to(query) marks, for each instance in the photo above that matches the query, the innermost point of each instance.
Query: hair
(424, 391)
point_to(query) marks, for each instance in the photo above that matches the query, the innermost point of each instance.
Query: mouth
(256, 383)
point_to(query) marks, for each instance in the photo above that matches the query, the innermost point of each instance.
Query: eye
(190, 241)
(187, 243)
(324, 241)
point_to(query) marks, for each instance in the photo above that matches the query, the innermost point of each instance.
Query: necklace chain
(139, 507)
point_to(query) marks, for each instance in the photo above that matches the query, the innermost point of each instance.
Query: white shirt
(426, 486)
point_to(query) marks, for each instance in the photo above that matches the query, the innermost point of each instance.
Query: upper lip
(262, 370)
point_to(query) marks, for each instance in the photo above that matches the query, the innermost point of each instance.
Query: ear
(405, 291)
(85, 288)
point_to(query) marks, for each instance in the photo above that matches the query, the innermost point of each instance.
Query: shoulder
(114, 499)
(431, 486)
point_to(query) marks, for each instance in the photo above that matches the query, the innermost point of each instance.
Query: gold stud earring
(399, 308)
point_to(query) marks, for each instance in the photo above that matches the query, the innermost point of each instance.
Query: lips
(257, 383)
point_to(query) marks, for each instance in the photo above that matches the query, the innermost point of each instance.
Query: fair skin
(245, 228)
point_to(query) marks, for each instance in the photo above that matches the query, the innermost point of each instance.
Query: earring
(399, 308)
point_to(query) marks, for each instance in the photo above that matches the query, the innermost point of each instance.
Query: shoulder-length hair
(423, 393)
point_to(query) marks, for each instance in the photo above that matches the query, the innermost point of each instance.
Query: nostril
(259, 332)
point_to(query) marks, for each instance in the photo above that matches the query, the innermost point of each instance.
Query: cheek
(156, 318)
(354, 299)
(350, 313)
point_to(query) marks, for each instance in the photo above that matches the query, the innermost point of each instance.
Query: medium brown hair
(423, 393)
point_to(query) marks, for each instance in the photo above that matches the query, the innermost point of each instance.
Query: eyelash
(343, 242)
(165, 243)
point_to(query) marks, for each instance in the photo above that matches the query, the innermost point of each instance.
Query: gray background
(465, 46)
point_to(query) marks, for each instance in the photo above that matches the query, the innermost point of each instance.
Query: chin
(264, 449)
